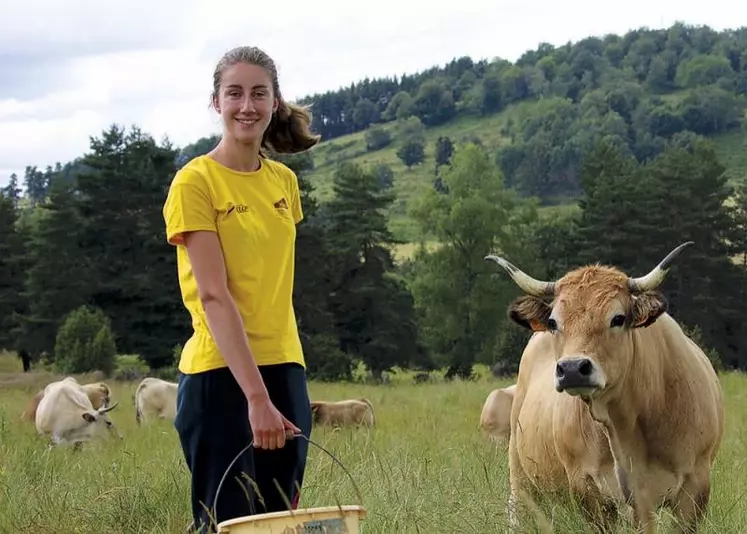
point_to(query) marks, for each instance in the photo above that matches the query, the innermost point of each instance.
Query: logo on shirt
(281, 204)
(239, 208)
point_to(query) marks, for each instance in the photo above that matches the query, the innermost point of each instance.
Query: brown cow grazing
(613, 401)
(355, 412)
(97, 392)
(495, 419)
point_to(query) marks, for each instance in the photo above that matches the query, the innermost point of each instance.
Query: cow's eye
(617, 320)
(551, 324)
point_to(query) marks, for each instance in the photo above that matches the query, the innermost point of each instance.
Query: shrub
(130, 367)
(85, 342)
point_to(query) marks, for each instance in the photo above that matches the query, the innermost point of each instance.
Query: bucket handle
(289, 437)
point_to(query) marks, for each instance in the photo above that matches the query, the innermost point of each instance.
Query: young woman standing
(231, 215)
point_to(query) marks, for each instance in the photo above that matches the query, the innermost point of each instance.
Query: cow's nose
(574, 373)
(579, 366)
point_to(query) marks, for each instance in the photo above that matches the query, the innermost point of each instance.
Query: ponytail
(289, 131)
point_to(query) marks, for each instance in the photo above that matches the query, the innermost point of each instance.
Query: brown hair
(289, 130)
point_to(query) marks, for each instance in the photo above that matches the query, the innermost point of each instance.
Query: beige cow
(356, 412)
(495, 419)
(613, 401)
(155, 398)
(65, 413)
(98, 393)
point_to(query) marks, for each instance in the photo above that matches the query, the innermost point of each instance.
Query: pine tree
(133, 268)
(371, 308)
(57, 279)
(11, 272)
(612, 219)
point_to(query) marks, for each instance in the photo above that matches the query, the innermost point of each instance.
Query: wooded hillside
(538, 116)
(612, 149)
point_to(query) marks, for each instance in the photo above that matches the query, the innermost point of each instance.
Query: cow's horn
(109, 408)
(530, 285)
(656, 276)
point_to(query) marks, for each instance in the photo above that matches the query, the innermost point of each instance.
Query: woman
(231, 215)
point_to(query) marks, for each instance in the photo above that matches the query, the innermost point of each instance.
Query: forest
(613, 149)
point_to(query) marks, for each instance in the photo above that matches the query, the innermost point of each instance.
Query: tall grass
(424, 467)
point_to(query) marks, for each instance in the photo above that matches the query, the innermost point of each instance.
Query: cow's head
(316, 408)
(593, 312)
(101, 417)
(105, 392)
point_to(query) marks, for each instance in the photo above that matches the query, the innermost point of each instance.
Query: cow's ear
(530, 312)
(88, 417)
(647, 307)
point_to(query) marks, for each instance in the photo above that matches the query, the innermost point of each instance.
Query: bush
(85, 342)
(130, 367)
(324, 359)
(377, 138)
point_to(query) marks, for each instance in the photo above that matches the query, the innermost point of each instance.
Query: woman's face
(246, 102)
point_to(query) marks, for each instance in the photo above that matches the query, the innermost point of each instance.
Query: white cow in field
(155, 398)
(98, 392)
(65, 412)
(495, 418)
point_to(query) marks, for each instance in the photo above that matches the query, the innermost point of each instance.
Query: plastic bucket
(341, 519)
(326, 520)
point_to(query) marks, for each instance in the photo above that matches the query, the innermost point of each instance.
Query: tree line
(603, 127)
(95, 237)
(638, 90)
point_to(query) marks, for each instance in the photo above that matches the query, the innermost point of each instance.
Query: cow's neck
(628, 409)
(637, 397)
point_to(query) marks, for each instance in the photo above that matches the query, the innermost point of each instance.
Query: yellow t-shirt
(254, 215)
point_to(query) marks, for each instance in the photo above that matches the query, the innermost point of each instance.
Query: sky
(68, 70)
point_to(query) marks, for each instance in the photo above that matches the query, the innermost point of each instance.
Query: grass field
(424, 468)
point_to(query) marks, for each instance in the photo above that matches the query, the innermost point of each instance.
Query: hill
(408, 183)
(538, 116)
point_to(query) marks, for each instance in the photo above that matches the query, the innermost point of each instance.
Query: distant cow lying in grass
(98, 393)
(352, 412)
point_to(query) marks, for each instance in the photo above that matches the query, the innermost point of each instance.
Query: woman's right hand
(269, 426)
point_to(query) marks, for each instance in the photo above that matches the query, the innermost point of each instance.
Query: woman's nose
(247, 105)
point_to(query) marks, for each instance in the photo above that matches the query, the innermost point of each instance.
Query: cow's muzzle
(577, 376)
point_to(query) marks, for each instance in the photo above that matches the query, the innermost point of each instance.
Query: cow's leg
(643, 512)
(691, 503)
(521, 488)
(599, 510)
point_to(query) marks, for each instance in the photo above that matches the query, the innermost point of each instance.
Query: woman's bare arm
(224, 320)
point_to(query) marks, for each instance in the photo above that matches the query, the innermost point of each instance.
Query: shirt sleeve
(295, 200)
(188, 207)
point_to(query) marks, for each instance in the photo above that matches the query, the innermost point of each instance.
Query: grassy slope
(416, 472)
(408, 184)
